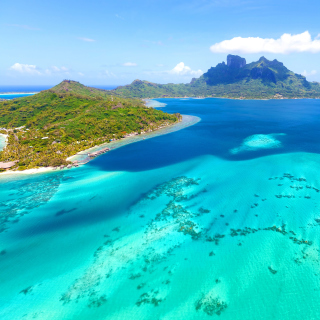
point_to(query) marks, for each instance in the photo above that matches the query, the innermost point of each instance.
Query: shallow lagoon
(176, 226)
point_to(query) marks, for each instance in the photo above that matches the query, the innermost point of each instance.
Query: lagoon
(219, 218)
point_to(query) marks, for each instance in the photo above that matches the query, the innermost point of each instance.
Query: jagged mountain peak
(263, 78)
(235, 61)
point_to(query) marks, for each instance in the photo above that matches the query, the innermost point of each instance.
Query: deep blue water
(225, 123)
(218, 220)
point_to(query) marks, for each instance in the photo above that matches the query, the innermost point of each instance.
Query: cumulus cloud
(287, 43)
(57, 69)
(311, 73)
(129, 64)
(54, 70)
(87, 39)
(182, 70)
(25, 68)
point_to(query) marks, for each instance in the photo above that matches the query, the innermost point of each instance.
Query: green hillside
(263, 79)
(46, 128)
(146, 89)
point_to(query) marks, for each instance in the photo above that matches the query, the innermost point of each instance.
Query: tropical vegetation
(48, 127)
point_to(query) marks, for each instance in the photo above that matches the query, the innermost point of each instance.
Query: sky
(115, 42)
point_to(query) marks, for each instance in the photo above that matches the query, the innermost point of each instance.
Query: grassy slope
(71, 118)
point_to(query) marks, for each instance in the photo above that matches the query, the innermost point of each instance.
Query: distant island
(263, 79)
(45, 129)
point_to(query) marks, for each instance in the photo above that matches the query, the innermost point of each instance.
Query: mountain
(48, 127)
(74, 87)
(146, 89)
(234, 79)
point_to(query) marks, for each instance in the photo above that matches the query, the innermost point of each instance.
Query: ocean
(217, 220)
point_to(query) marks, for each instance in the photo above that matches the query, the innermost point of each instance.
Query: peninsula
(262, 79)
(45, 129)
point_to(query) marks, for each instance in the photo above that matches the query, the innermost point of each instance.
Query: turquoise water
(155, 104)
(10, 96)
(174, 227)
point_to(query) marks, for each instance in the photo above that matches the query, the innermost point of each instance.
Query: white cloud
(182, 70)
(80, 74)
(34, 70)
(25, 68)
(61, 69)
(87, 39)
(129, 64)
(287, 43)
(311, 73)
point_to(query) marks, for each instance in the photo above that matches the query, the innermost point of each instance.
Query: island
(45, 129)
(263, 79)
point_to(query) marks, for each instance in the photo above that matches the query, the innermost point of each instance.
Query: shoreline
(152, 103)
(28, 171)
(16, 93)
(262, 99)
(82, 156)
(186, 121)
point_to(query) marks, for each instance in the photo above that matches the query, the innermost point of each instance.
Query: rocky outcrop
(235, 61)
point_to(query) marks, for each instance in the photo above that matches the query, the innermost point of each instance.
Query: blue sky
(113, 43)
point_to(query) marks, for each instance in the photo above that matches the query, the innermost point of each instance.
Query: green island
(235, 79)
(45, 129)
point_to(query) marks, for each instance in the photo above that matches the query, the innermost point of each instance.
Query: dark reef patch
(28, 196)
(210, 305)
(63, 211)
